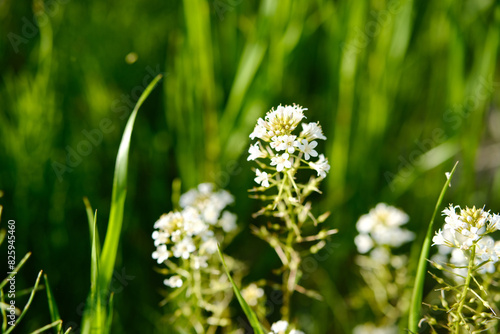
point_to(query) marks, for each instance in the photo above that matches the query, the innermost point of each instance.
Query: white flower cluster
(382, 227)
(461, 231)
(283, 327)
(283, 147)
(190, 234)
(466, 228)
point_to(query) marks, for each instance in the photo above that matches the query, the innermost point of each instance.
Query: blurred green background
(402, 90)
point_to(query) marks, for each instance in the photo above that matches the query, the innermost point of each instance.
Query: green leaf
(110, 247)
(252, 317)
(96, 318)
(54, 312)
(416, 300)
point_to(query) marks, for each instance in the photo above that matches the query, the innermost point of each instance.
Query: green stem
(463, 296)
(416, 299)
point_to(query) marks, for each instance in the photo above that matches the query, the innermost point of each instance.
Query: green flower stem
(463, 295)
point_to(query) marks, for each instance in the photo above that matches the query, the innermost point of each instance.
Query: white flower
(260, 130)
(464, 229)
(284, 120)
(494, 223)
(289, 143)
(205, 188)
(486, 249)
(382, 225)
(255, 152)
(364, 243)
(193, 225)
(308, 148)
(173, 282)
(161, 254)
(279, 326)
(321, 166)
(312, 131)
(209, 245)
(281, 162)
(252, 293)
(228, 221)
(183, 248)
(381, 255)
(198, 262)
(296, 331)
(262, 178)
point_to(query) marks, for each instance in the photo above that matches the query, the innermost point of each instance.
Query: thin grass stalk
(418, 288)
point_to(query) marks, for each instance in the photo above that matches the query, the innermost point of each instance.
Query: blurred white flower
(252, 293)
(364, 243)
(198, 262)
(173, 282)
(161, 254)
(382, 224)
(228, 221)
(279, 327)
(262, 178)
(184, 248)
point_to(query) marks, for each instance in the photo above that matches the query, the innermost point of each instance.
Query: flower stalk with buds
(465, 235)
(280, 151)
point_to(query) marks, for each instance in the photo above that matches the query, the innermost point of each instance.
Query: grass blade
(110, 247)
(16, 269)
(252, 317)
(416, 299)
(90, 218)
(57, 324)
(28, 304)
(54, 312)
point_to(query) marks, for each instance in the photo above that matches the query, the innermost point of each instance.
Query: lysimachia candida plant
(466, 291)
(284, 149)
(384, 271)
(186, 243)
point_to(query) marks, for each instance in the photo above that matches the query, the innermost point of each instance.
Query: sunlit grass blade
(28, 304)
(2, 310)
(54, 312)
(16, 269)
(55, 324)
(109, 318)
(252, 317)
(110, 247)
(90, 218)
(416, 299)
(93, 312)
